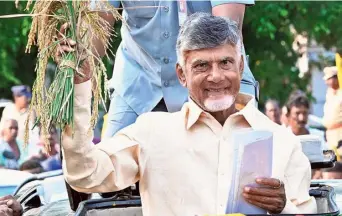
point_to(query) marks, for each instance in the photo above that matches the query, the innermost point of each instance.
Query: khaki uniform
(332, 119)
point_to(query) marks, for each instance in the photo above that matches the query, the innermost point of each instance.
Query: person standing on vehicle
(144, 76)
(332, 118)
(180, 152)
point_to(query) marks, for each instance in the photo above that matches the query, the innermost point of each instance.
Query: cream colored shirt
(333, 108)
(182, 160)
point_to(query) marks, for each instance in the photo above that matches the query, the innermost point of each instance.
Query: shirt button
(166, 60)
(166, 34)
(166, 83)
(166, 9)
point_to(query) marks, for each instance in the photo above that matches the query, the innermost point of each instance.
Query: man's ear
(241, 66)
(180, 75)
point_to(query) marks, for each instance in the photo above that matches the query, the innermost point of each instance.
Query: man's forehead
(212, 54)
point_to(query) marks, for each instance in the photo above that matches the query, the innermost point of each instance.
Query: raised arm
(233, 9)
(106, 167)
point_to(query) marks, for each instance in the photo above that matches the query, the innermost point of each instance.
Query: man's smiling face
(212, 76)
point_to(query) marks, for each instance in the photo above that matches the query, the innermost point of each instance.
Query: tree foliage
(16, 67)
(267, 38)
(268, 41)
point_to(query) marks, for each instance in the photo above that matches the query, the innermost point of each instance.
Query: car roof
(13, 177)
(4, 102)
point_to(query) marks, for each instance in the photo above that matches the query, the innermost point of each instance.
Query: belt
(335, 126)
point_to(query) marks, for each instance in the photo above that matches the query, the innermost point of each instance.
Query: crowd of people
(294, 115)
(13, 153)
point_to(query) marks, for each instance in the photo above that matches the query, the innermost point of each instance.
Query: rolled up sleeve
(219, 2)
(109, 166)
(297, 184)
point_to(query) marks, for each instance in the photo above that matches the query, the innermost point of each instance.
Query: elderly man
(19, 111)
(12, 153)
(332, 118)
(183, 159)
(272, 111)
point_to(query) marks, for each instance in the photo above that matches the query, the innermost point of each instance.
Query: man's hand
(67, 45)
(269, 196)
(10, 206)
(5, 211)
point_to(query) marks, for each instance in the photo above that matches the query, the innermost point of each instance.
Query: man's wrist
(79, 79)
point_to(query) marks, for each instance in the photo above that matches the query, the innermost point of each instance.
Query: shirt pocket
(141, 9)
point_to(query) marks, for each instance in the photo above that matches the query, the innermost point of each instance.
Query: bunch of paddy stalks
(53, 105)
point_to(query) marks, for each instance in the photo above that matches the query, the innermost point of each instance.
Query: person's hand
(10, 206)
(5, 211)
(269, 196)
(67, 45)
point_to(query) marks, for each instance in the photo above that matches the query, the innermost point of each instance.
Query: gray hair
(272, 101)
(202, 30)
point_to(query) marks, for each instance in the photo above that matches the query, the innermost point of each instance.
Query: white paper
(252, 159)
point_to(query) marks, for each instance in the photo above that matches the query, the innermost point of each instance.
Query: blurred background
(288, 44)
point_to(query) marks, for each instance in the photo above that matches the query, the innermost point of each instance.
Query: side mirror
(313, 148)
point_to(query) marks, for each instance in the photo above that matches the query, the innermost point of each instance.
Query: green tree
(267, 38)
(268, 41)
(16, 67)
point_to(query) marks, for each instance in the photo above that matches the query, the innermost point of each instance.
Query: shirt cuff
(219, 2)
(83, 93)
(290, 208)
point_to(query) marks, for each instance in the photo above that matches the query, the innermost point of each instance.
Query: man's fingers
(3, 202)
(10, 203)
(269, 192)
(5, 211)
(62, 31)
(66, 48)
(7, 197)
(265, 200)
(271, 182)
(270, 208)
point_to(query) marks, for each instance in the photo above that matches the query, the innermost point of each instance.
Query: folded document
(252, 159)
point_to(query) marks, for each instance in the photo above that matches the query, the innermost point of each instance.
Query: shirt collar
(244, 103)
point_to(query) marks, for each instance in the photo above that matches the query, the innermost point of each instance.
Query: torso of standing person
(144, 70)
(333, 109)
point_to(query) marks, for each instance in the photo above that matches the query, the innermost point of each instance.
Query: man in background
(52, 160)
(272, 110)
(31, 166)
(19, 111)
(298, 107)
(332, 118)
(12, 153)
